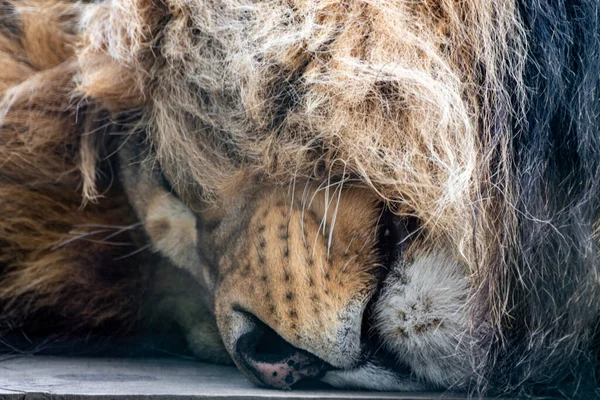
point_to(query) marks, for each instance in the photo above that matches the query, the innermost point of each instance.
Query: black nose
(272, 361)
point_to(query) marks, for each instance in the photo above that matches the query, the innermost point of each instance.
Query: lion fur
(43, 153)
(478, 118)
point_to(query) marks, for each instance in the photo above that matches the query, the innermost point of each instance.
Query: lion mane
(480, 119)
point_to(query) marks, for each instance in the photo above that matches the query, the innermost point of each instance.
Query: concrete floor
(46, 377)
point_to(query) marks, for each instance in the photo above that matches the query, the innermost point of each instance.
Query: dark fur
(550, 273)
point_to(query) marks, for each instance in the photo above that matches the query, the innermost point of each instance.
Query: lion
(377, 195)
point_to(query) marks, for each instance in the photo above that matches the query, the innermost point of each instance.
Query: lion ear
(116, 52)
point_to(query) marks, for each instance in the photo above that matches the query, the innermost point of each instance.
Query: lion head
(380, 195)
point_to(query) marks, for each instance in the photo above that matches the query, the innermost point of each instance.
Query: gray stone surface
(43, 377)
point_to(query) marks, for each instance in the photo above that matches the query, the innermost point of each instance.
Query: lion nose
(267, 359)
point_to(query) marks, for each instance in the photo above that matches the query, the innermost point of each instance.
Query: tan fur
(397, 95)
(282, 127)
(305, 262)
(383, 84)
(42, 265)
(285, 270)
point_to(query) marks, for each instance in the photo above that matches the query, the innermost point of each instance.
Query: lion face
(314, 280)
(252, 133)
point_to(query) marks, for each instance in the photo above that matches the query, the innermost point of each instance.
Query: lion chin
(372, 194)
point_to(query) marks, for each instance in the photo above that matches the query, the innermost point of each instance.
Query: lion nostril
(274, 362)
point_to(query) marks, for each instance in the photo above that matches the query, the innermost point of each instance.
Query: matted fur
(396, 101)
(43, 267)
(478, 118)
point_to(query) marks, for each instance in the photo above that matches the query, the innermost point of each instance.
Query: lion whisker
(137, 251)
